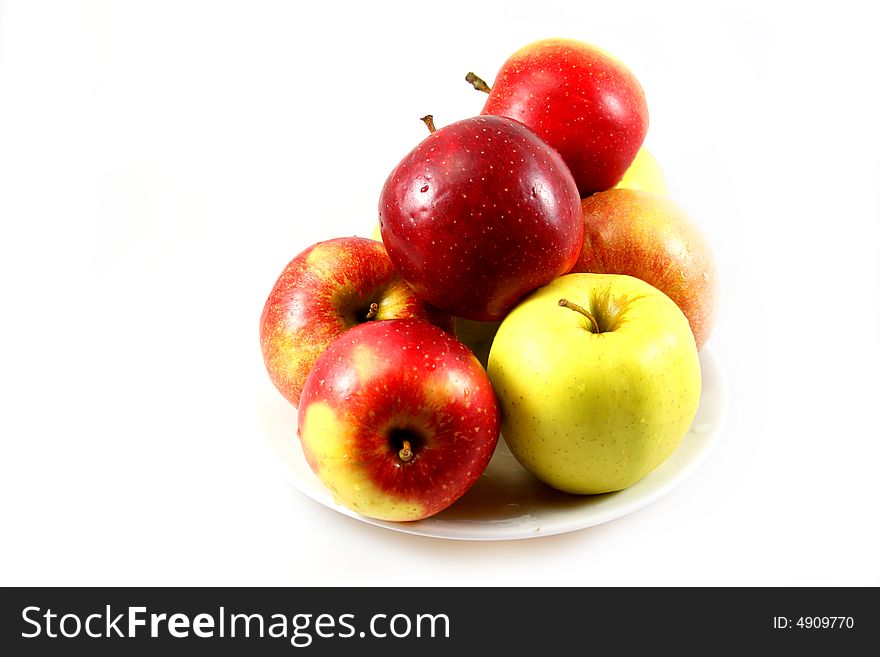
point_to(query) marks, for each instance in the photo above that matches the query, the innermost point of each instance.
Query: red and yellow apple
(581, 100)
(324, 291)
(398, 419)
(650, 237)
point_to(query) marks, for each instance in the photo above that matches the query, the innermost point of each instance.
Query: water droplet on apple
(424, 189)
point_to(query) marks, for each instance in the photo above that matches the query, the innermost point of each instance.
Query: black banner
(434, 621)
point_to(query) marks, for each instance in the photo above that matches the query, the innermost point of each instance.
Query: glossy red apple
(398, 419)
(327, 289)
(581, 100)
(479, 214)
(650, 237)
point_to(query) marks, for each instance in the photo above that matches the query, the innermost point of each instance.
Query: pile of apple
(532, 280)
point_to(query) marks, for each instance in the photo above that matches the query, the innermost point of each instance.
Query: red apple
(478, 214)
(398, 419)
(650, 237)
(324, 291)
(580, 100)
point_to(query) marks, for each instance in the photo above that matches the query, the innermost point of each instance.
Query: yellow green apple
(599, 380)
(644, 174)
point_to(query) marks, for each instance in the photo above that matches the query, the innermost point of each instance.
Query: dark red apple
(324, 291)
(581, 100)
(398, 419)
(480, 213)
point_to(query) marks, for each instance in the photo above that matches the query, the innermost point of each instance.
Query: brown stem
(429, 121)
(405, 452)
(373, 311)
(565, 303)
(477, 82)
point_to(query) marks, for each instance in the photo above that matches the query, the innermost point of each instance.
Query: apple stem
(477, 82)
(373, 311)
(405, 452)
(428, 119)
(565, 303)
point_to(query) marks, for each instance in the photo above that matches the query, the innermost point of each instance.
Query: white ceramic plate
(508, 503)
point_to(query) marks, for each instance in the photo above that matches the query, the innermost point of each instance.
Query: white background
(160, 162)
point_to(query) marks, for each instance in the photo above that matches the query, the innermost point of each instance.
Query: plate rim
(431, 528)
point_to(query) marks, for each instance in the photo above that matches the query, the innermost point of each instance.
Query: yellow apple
(644, 174)
(598, 392)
